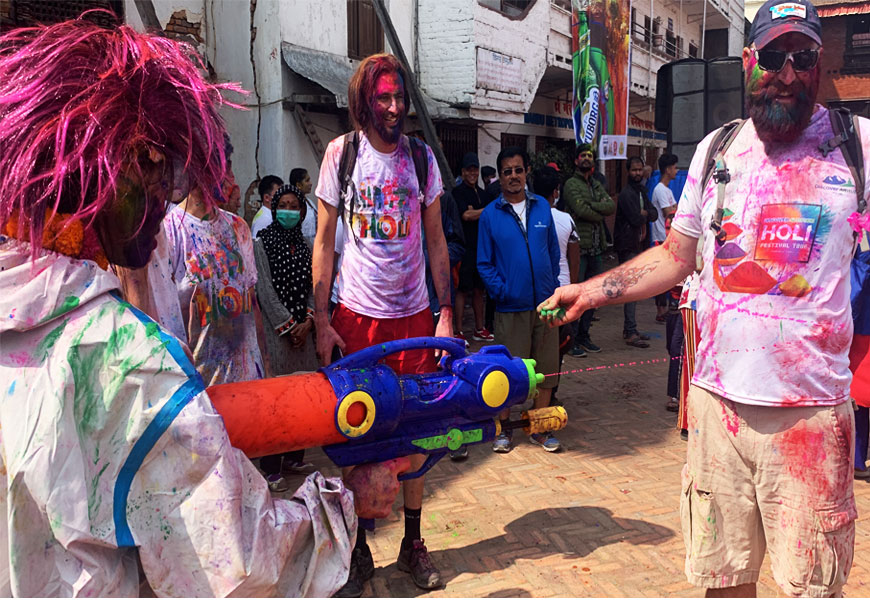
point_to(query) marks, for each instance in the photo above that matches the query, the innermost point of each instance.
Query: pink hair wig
(79, 103)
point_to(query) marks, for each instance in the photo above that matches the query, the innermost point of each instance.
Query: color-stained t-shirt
(566, 233)
(215, 276)
(382, 270)
(662, 198)
(773, 298)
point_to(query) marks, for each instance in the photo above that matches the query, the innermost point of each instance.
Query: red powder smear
(730, 254)
(824, 479)
(830, 337)
(731, 230)
(749, 278)
(732, 421)
(796, 286)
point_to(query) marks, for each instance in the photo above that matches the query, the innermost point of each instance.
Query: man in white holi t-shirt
(664, 203)
(770, 425)
(382, 294)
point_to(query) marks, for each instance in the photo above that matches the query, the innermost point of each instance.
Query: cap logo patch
(788, 9)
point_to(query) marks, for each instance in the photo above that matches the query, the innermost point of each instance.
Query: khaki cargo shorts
(526, 336)
(762, 477)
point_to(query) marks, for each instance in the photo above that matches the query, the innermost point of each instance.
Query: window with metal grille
(856, 54)
(456, 141)
(365, 36)
(513, 139)
(21, 13)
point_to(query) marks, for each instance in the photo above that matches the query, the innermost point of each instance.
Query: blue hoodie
(520, 269)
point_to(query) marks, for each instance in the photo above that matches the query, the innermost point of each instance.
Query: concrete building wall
(446, 50)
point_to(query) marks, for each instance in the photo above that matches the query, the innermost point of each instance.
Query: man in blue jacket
(518, 260)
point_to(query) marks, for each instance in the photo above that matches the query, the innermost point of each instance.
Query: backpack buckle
(722, 175)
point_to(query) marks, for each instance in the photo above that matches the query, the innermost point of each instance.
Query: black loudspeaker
(694, 97)
(687, 109)
(724, 91)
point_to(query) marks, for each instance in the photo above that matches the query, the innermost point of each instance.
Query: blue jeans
(590, 266)
(629, 326)
(862, 433)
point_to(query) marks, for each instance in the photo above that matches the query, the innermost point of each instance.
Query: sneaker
(589, 346)
(461, 336)
(862, 473)
(547, 441)
(578, 352)
(459, 455)
(362, 568)
(684, 435)
(673, 405)
(483, 335)
(277, 483)
(295, 467)
(415, 559)
(502, 443)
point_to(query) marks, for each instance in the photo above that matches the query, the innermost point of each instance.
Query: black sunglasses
(516, 171)
(774, 60)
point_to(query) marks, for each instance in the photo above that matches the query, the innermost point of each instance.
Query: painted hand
(375, 486)
(327, 340)
(565, 305)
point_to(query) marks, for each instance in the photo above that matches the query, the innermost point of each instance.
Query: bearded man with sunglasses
(770, 451)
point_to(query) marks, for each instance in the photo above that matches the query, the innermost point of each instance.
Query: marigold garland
(64, 235)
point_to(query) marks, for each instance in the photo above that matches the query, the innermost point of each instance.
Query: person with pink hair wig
(113, 457)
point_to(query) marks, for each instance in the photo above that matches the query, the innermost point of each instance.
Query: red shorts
(359, 332)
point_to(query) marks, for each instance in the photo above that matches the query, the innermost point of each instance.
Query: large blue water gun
(361, 411)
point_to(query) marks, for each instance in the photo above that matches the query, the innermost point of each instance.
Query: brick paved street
(599, 518)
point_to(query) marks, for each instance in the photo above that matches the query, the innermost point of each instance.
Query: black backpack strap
(714, 166)
(345, 171)
(847, 139)
(421, 166)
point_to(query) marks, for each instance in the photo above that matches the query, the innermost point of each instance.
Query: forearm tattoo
(620, 279)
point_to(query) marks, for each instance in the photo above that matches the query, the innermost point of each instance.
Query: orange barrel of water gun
(281, 414)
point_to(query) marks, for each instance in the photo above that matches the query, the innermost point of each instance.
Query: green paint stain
(95, 500)
(452, 440)
(69, 303)
(49, 341)
(152, 329)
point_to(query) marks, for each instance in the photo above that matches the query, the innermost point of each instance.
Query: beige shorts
(526, 336)
(762, 477)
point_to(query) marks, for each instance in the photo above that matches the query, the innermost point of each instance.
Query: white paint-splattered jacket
(110, 446)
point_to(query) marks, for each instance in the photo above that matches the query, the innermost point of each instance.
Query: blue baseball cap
(776, 17)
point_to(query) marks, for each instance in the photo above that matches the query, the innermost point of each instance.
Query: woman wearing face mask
(284, 293)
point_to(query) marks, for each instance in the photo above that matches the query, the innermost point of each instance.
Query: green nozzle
(554, 313)
(535, 379)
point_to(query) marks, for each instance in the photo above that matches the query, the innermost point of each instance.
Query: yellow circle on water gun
(495, 389)
(353, 398)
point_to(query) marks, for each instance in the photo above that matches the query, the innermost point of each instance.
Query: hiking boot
(636, 341)
(362, 568)
(277, 483)
(459, 455)
(502, 443)
(578, 352)
(546, 440)
(589, 346)
(483, 335)
(415, 559)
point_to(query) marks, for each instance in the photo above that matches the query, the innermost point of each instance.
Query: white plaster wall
(446, 49)
(525, 38)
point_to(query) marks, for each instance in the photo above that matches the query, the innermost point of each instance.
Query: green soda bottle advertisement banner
(600, 31)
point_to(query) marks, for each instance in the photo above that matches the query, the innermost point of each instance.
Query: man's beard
(776, 122)
(390, 135)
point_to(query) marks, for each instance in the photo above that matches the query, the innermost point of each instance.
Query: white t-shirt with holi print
(215, 276)
(773, 300)
(382, 270)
